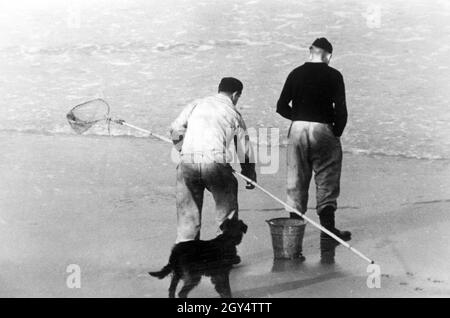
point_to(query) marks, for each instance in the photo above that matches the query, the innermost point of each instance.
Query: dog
(191, 260)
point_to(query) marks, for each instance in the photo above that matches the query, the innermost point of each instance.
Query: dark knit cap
(324, 44)
(230, 85)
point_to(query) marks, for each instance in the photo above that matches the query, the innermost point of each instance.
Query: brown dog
(189, 261)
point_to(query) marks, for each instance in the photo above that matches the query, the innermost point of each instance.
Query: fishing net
(84, 116)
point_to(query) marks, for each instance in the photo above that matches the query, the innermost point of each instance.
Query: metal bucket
(287, 237)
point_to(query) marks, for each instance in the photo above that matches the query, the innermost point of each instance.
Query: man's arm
(340, 107)
(245, 153)
(179, 125)
(283, 107)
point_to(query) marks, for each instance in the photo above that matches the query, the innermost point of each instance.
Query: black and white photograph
(248, 149)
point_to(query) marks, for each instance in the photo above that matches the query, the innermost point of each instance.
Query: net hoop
(83, 116)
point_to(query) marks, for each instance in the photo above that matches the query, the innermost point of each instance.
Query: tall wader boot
(300, 242)
(327, 243)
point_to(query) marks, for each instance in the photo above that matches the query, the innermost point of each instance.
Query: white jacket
(207, 128)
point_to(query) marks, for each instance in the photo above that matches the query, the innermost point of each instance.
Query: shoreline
(282, 145)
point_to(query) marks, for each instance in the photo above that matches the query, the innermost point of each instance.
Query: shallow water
(149, 58)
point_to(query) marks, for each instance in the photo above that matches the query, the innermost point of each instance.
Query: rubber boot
(300, 256)
(327, 243)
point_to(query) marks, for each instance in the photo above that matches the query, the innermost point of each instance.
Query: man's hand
(251, 174)
(178, 143)
(177, 139)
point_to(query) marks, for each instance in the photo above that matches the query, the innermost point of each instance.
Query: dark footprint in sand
(435, 281)
(385, 275)
(403, 283)
(409, 274)
(418, 289)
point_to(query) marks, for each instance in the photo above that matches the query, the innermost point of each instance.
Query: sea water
(148, 59)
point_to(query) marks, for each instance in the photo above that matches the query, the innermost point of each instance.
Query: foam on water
(149, 58)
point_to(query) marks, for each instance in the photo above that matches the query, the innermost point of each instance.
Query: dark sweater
(317, 93)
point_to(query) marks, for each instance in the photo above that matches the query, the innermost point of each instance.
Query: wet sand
(107, 204)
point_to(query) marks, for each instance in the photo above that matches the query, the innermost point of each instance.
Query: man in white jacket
(205, 133)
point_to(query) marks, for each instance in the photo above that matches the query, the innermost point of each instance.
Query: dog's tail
(166, 270)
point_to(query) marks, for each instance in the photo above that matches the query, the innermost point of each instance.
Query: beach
(107, 205)
(103, 203)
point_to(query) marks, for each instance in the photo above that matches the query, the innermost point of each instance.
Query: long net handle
(287, 206)
(121, 122)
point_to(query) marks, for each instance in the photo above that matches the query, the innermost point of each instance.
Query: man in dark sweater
(313, 99)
